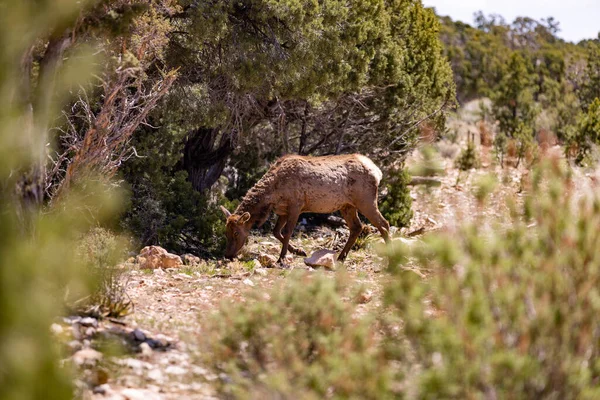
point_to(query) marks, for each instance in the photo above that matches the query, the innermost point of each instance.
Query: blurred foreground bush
(303, 342)
(39, 270)
(508, 313)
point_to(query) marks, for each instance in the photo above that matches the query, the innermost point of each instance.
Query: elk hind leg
(350, 214)
(372, 213)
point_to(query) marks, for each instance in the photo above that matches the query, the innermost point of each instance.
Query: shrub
(101, 251)
(510, 312)
(468, 158)
(302, 342)
(524, 140)
(500, 147)
(397, 203)
(587, 135)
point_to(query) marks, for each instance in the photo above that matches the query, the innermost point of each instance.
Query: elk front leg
(288, 229)
(281, 220)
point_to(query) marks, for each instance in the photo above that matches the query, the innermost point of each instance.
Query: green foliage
(295, 68)
(38, 268)
(397, 203)
(500, 147)
(590, 83)
(468, 158)
(587, 135)
(429, 164)
(509, 311)
(302, 342)
(513, 103)
(164, 208)
(524, 138)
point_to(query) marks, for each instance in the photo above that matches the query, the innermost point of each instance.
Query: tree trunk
(204, 159)
(38, 105)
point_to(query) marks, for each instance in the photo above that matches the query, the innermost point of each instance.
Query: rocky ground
(160, 336)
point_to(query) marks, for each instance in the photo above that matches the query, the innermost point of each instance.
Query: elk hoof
(283, 265)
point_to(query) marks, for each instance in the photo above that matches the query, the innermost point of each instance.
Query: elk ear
(226, 212)
(244, 218)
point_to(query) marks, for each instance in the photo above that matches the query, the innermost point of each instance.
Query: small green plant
(101, 250)
(468, 158)
(526, 145)
(484, 186)
(500, 147)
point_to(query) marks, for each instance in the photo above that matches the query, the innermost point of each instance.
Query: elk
(298, 184)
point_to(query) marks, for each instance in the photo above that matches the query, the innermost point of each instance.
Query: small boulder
(364, 297)
(321, 258)
(138, 335)
(153, 257)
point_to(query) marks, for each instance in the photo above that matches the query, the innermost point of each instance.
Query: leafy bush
(510, 312)
(302, 342)
(397, 203)
(38, 267)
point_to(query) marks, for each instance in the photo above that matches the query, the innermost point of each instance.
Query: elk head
(236, 231)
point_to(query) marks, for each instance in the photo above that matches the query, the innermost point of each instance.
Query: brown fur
(297, 184)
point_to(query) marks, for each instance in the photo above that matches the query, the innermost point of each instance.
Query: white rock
(87, 357)
(140, 394)
(175, 370)
(89, 321)
(156, 375)
(321, 258)
(146, 349)
(138, 335)
(248, 282)
(261, 271)
(56, 329)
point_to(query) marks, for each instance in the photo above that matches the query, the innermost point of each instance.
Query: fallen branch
(424, 180)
